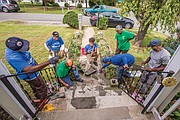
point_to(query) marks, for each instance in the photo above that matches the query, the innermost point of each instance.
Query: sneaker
(79, 79)
(134, 95)
(71, 88)
(139, 99)
(95, 63)
(120, 86)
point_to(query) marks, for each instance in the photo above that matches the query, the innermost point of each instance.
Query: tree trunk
(45, 2)
(141, 34)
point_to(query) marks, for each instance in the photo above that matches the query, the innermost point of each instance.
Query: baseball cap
(91, 39)
(17, 44)
(55, 33)
(106, 59)
(154, 42)
(118, 27)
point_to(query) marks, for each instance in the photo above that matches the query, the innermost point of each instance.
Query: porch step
(117, 113)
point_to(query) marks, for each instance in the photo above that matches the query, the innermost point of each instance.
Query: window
(12, 2)
(4, 1)
(116, 16)
(96, 7)
(107, 15)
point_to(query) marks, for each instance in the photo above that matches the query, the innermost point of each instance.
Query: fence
(48, 75)
(132, 85)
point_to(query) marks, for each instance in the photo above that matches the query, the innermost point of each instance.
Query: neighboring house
(72, 2)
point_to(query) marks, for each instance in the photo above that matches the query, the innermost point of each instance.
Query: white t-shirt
(158, 58)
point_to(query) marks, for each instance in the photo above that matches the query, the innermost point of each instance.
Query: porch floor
(94, 99)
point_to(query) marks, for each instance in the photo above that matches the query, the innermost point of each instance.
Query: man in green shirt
(63, 70)
(122, 40)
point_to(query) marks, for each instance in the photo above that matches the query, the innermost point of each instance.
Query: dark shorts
(121, 51)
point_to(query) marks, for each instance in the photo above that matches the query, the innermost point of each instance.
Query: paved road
(56, 19)
(38, 18)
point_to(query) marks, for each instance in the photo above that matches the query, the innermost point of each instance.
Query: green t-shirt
(62, 70)
(123, 40)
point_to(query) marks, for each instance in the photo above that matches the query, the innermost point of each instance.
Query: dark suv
(9, 5)
(113, 20)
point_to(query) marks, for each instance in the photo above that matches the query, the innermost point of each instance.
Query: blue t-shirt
(121, 60)
(89, 48)
(54, 45)
(19, 60)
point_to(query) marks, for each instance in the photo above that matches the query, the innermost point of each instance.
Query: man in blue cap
(124, 61)
(18, 56)
(157, 61)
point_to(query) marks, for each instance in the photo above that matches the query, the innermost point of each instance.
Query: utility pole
(86, 3)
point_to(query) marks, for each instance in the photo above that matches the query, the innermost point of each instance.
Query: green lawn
(139, 53)
(36, 34)
(27, 7)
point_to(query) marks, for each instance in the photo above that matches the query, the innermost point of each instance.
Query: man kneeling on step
(63, 69)
(91, 51)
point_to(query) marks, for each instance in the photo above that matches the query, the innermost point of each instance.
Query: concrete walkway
(88, 32)
(92, 100)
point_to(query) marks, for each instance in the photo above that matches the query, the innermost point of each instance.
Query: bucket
(82, 51)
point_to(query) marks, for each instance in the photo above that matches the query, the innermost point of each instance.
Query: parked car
(9, 5)
(114, 19)
(96, 8)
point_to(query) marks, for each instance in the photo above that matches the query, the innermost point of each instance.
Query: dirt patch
(84, 102)
(102, 92)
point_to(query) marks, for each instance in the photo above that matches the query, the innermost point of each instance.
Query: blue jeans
(120, 72)
(68, 80)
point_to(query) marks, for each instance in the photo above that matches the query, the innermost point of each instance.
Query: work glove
(53, 60)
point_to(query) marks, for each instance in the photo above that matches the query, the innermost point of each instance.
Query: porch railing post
(14, 101)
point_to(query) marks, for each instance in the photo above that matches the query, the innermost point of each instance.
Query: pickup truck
(96, 8)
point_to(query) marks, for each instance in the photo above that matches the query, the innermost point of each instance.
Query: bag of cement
(84, 64)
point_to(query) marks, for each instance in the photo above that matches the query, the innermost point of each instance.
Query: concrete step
(117, 113)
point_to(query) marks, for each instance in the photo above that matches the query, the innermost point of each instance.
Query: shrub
(66, 4)
(79, 5)
(175, 115)
(50, 1)
(103, 23)
(55, 5)
(109, 2)
(91, 3)
(71, 18)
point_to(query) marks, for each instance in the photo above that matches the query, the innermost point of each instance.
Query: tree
(71, 18)
(45, 2)
(151, 12)
(94, 2)
(109, 2)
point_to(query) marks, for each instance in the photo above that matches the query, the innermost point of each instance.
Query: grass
(27, 7)
(36, 34)
(140, 54)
